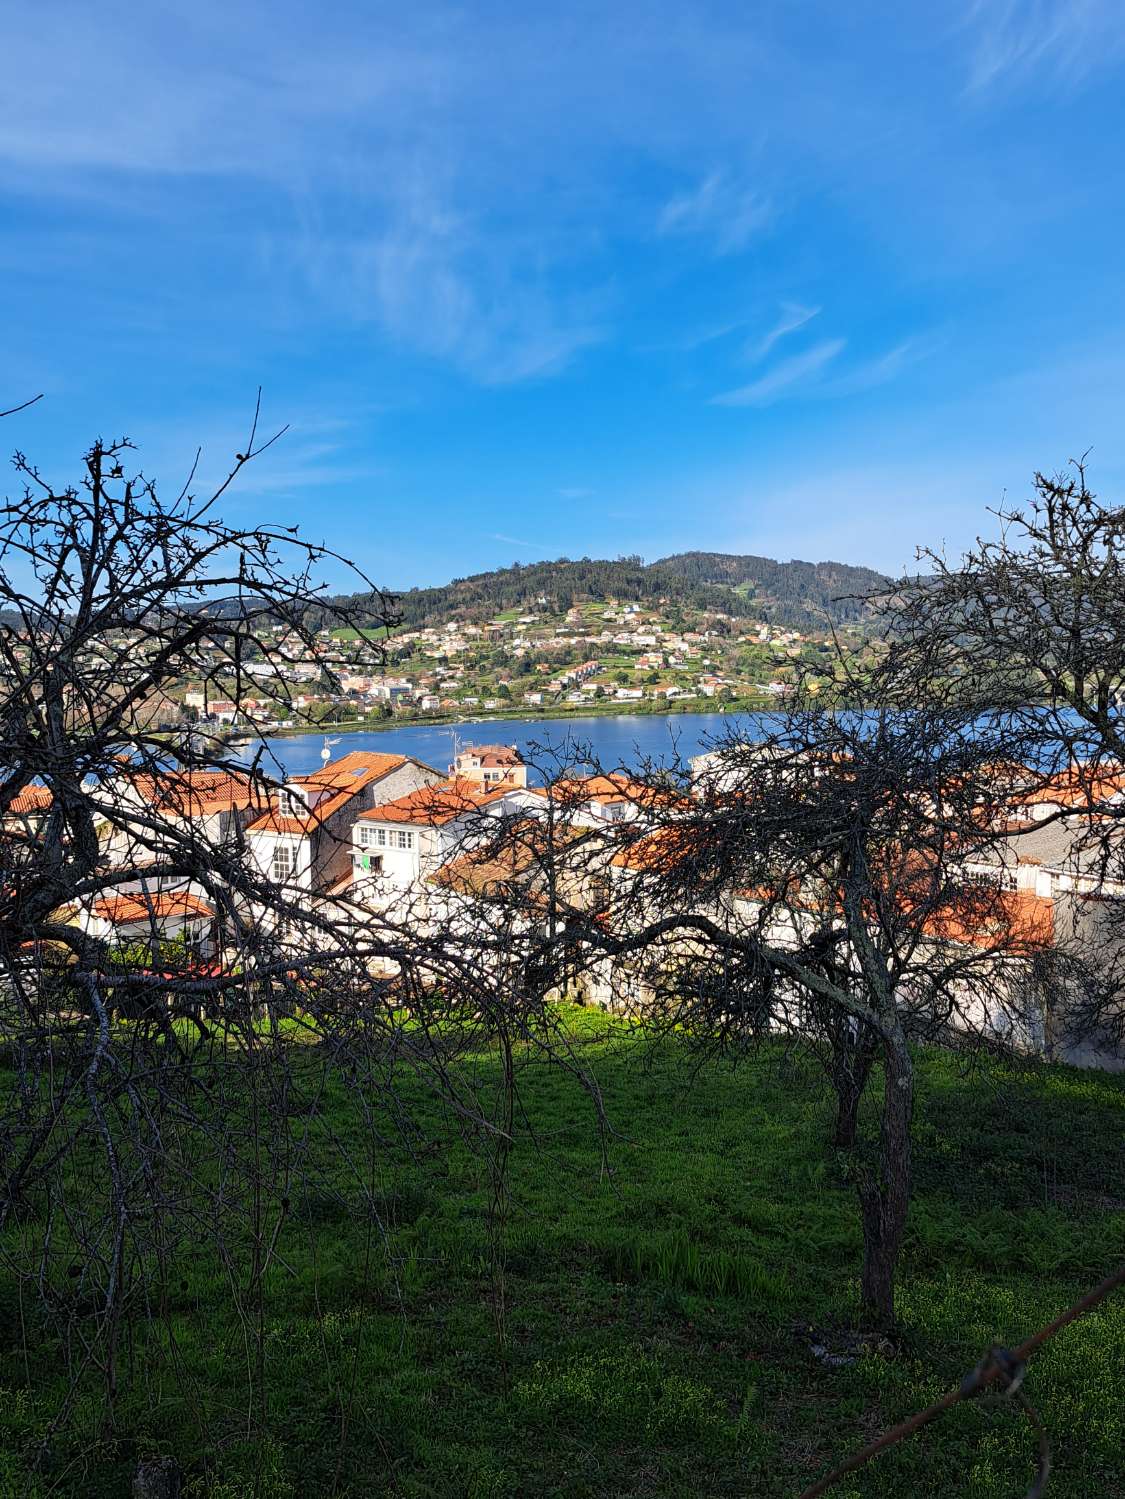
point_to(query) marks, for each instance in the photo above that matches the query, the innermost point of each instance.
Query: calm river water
(620, 741)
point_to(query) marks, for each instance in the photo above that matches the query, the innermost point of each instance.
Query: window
(284, 861)
(363, 836)
(1004, 879)
(381, 837)
(404, 839)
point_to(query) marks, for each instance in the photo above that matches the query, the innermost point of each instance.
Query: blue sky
(811, 280)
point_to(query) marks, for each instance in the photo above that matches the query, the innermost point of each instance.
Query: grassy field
(372, 632)
(657, 1291)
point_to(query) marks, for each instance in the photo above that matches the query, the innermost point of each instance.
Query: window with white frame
(284, 862)
(381, 837)
(403, 839)
(1005, 879)
(363, 836)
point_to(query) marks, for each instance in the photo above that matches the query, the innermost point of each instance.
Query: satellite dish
(326, 752)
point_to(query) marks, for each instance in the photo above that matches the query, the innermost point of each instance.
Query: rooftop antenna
(326, 752)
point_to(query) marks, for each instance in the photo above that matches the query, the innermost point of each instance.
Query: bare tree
(1033, 622)
(842, 875)
(156, 968)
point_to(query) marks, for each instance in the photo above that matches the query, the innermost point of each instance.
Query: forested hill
(802, 595)
(835, 589)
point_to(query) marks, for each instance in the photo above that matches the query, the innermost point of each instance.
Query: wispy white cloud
(884, 368)
(699, 338)
(205, 90)
(527, 546)
(729, 213)
(1067, 39)
(452, 286)
(803, 374)
(791, 317)
(424, 245)
(313, 453)
(789, 377)
(414, 207)
(496, 327)
(432, 291)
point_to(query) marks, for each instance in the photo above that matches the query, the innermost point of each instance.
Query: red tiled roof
(342, 771)
(122, 910)
(276, 822)
(1079, 786)
(1014, 920)
(493, 754)
(608, 790)
(490, 872)
(30, 799)
(341, 779)
(433, 806)
(196, 792)
(661, 850)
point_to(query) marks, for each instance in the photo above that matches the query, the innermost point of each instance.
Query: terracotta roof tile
(30, 799)
(342, 779)
(125, 909)
(433, 806)
(196, 792)
(609, 790)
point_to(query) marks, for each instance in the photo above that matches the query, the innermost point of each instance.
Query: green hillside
(800, 595)
(635, 1322)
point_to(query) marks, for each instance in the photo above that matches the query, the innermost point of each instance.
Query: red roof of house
(30, 799)
(493, 754)
(614, 789)
(661, 850)
(491, 871)
(341, 780)
(433, 806)
(196, 792)
(1079, 786)
(1018, 921)
(124, 910)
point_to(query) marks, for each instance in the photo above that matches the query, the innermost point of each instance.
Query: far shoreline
(520, 715)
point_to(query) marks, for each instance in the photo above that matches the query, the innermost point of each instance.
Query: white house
(594, 801)
(304, 840)
(141, 815)
(152, 919)
(490, 765)
(399, 844)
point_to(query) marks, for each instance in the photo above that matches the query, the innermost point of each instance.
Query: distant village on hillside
(615, 655)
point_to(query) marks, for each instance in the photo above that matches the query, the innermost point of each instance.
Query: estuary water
(612, 741)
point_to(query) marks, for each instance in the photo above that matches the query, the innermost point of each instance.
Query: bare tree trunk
(852, 1058)
(884, 1194)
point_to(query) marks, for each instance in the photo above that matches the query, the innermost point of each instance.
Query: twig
(998, 1365)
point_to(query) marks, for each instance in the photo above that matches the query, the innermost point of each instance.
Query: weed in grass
(673, 1260)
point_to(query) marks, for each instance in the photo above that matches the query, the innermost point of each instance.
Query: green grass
(348, 635)
(657, 1294)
